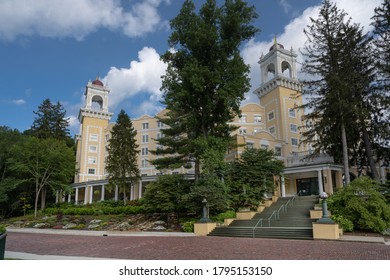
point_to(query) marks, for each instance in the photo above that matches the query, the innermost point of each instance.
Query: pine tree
(381, 129)
(121, 162)
(50, 122)
(327, 91)
(206, 79)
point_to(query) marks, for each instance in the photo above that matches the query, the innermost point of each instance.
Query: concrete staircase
(277, 221)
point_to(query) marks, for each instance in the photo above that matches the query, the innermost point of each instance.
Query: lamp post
(325, 218)
(205, 217)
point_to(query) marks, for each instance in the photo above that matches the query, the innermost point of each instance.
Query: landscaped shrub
(220, 218)
(344, 223)
(362, 203)
(95, 210)
(188, 226)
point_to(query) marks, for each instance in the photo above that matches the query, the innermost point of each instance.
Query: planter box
(2, 245)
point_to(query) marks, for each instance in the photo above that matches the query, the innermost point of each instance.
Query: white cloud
(143, 76)
(361, 12)
(150, 108)
(76, 18)
(285, 5)
(19, 102)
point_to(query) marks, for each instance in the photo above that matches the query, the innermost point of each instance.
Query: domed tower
(280, 94)
(91, 140)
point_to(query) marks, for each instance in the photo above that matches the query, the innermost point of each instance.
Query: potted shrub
(3, 235)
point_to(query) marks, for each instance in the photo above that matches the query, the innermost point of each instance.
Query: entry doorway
(307, 186)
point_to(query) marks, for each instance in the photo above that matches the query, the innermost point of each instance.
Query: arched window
(286, 69)
(97, 102)
(270, 72)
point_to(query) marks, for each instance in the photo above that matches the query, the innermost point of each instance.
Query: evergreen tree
(51, 122)
(342, 101)
(381, 23)
(327, 92)
(121, 162)
(206, 79)
(381, 129)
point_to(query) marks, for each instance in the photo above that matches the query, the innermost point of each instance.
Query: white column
(76, 196)
(86, 195)
(382, 172)
(69, 198)
(320, 186)
(102, 193)
(131, 192)
(116, 192)
(57, 196)
(91, 194)
(140, 189)
(283, 186)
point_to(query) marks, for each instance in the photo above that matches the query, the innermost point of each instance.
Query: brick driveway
(192, 248)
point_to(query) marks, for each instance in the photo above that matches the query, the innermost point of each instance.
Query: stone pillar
(102, 193)
(76, 196)
(283, 186)
(69, 198)
(57, 196)
(320, 185)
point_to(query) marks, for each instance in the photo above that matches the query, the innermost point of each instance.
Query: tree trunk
(345, 153)
(369, 152)
(43, 198)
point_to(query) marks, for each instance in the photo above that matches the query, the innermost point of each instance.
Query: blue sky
(52, 48)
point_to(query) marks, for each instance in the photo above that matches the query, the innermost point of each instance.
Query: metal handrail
(276, 213)
(253, 229)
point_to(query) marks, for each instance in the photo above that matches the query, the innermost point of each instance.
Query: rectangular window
(292, 113)
(278, 151)
(242, 131)
(144, 151)
(144, 163)
(294, 141)
(91, 160)
(272, 130)
(271, 116)
(249, 145)
(145, 125)
(92, 148)
(293, 128)
(243, 119)
(265, 147)
(158, 135)
(160, 124)
(257, 118)
(93, 137)
(145, 138)
(91, 171)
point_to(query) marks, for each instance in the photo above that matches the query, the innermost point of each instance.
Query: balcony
(307, 158)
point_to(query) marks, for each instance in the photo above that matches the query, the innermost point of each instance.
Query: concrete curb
(98, 233)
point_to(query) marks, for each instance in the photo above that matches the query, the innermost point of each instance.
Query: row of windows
(243, 130)
(145, 125)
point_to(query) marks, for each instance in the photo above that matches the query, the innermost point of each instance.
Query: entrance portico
(311, 179)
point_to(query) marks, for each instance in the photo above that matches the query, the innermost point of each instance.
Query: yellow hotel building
(272, 123)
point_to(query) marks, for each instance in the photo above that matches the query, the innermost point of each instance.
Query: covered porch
(310, 180)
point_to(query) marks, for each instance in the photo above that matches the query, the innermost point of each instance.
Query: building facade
(275, 123)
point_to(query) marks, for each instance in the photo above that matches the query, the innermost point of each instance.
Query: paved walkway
(70, 244)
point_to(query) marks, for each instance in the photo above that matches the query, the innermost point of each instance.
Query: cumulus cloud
(142, 76)
(292, 36)
(76, 18)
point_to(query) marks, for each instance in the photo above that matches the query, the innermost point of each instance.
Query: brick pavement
(192, 248)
